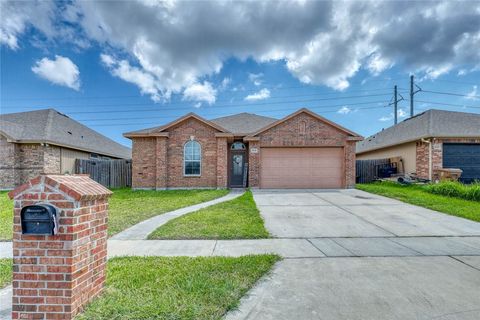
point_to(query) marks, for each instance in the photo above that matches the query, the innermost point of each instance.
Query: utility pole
(395, 104)
(412, 93)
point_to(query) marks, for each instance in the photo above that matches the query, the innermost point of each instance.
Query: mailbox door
(38, 219)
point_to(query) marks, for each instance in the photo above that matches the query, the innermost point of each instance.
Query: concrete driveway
(352, 213)
(380, 259)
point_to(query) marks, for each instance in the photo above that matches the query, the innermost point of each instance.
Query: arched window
(237, 146)
(192, 158)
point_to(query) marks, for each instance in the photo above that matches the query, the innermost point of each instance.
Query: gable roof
(314, 115)
(244, 123)
(159, 129)
(428, 124)
(52, 127)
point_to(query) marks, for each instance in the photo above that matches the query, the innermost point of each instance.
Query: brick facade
(55, 276)
(21, 162)
(158, 157)
(303, 130)
(157, 162)
(423, 152)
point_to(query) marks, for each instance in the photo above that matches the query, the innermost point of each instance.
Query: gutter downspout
(429, 142)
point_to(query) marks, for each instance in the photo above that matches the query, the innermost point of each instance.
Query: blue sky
(127, 77)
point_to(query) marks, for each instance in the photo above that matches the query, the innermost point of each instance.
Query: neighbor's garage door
(301, 168)
(463, 156)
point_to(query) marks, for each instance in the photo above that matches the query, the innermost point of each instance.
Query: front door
(237, 169)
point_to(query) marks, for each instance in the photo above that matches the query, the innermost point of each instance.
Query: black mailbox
(39, 219)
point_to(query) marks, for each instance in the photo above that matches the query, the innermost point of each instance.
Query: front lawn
(235, 219)
(176, 288)
(418, 195)
(5, 272)
(127, 207)
(6, 216)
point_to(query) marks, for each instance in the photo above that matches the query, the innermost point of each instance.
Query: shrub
(456, 189)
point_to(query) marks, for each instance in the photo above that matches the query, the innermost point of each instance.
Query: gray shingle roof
(243, 123)
(431, 123)
(53, 127)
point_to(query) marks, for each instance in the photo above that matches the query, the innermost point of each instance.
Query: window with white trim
(192, 158)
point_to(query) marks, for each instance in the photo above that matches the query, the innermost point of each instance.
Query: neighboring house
(46, 141)
(429, 141)
(302, 150)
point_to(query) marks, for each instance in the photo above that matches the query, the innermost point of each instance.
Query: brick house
(47, 141)
(302, 150)
(428, 142)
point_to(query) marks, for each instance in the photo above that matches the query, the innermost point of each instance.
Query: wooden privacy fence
(110, 173)
(368, 170)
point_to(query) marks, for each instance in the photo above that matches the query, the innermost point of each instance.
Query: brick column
(54, 276)
(254, 165)
(222, 162)
(350, 175)
(161, 163)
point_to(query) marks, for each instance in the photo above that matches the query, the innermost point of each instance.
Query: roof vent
(69, 132)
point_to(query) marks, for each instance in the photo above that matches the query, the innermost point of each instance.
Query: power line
(451, 94)
(225, 100)
(449, 104)
(270, 109)
(175, 117)
(231, 105)
(179, 94)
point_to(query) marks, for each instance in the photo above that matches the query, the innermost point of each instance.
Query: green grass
(127, 207)
(456, 189)
(176, 288)
(5, 272)
(6, 216)
(235, 219)
(418, 195)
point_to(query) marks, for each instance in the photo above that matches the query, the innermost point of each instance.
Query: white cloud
(400, 114)
(344, 110)
(61, 71)
(123, 70)
(225, 83)
(260, 95)
(335, 40)
(16, 16)
(200, 92)
(256, 78)
(472, 95)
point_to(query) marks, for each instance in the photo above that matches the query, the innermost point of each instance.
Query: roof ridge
(48, 123)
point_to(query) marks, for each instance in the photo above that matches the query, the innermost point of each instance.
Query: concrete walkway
(301, 248)
(141, 230)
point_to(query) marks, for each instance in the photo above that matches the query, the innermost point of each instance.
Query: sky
(119, 66)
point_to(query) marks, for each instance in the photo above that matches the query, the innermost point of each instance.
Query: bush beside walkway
(235, 219)
(420, 196)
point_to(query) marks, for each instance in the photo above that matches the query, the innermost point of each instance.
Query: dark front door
(463, 156)
(237, 168)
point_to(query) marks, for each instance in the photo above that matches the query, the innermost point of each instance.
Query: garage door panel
(463, 156)
(301, 168)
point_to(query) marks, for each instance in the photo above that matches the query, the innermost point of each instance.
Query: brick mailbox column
(54, 276)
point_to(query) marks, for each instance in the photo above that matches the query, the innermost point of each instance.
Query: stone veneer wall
(21, 162)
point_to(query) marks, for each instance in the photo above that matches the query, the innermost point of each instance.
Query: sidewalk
(301, 248)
